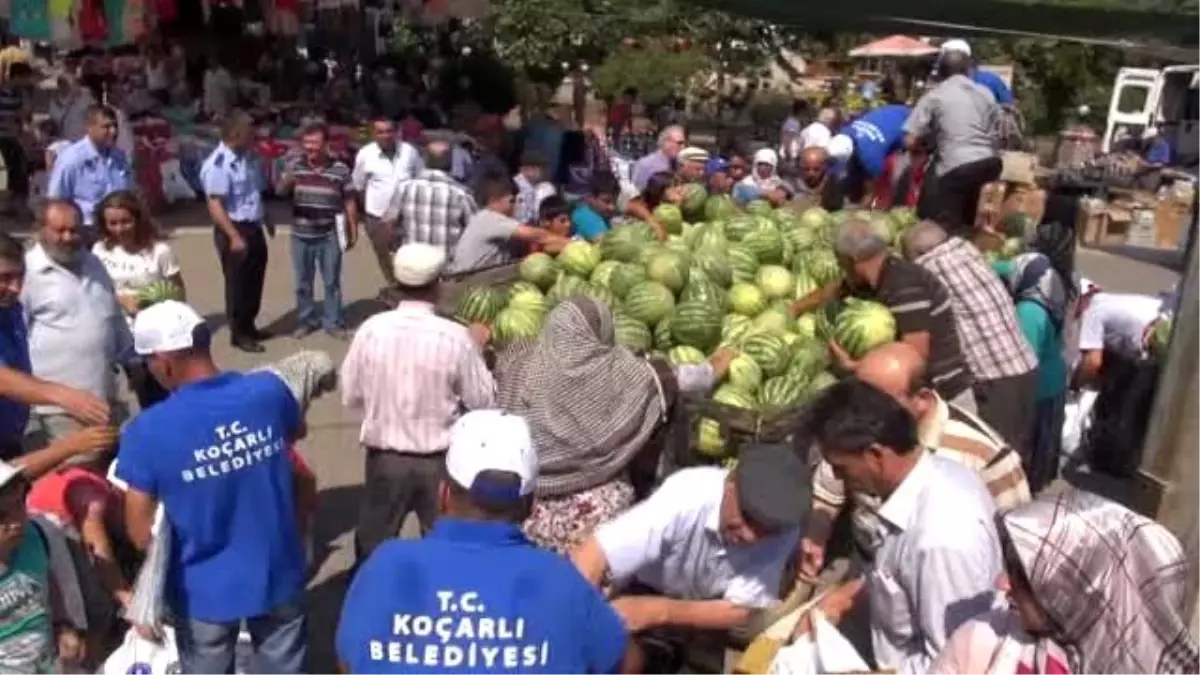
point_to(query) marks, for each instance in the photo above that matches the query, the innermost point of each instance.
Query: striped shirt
(411, 372)
(949, 432)
(432, 208)
(983, 311)
(921, 304)
(318, 196)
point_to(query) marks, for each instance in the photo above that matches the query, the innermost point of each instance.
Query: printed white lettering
(469, 602)
(237, 447)
(452, 656)
(487, 628)
(422, 626)
(444, 598)
(431, 655)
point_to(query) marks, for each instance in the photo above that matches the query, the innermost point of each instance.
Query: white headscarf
(764, 156)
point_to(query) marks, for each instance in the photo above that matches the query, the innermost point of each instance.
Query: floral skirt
(561, 523)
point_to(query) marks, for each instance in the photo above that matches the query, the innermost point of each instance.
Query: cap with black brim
(774, 486)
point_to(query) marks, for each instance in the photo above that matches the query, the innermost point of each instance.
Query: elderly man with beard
(76, 329)
(815, 184)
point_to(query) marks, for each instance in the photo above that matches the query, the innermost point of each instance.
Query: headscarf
(764, 156)
(591, 404)
(309, 374)
(1034, 279)
(1113, 581)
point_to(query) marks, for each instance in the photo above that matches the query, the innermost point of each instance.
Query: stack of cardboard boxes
(1016, 192)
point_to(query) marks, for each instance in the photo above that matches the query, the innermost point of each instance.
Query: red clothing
(884, 199)
(620, 114)
(68, 493)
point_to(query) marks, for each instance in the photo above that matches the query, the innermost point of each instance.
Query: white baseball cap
(956, 45)
(486, 446)
(9, 473)
(418, 265)
(840, 147)
(169, 326)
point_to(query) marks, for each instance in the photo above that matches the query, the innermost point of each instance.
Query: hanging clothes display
(30, 20)
(62, 24)
(114, 18)
(93, 22)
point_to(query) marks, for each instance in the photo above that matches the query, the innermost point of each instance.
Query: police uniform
(237, 182)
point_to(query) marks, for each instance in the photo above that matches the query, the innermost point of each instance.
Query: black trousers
(396, 484)
(15, 163)
(244, 275)
(1007, 405)
(952, 199)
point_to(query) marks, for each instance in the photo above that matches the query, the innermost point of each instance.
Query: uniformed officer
(233, 186)
(91, 168)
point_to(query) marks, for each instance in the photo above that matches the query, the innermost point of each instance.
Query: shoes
(247, 344)
(302, 331)
(260, 335)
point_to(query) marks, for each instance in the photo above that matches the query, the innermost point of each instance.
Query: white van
(1163, 99)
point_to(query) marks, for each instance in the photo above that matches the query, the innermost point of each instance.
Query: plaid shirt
(432, 208)
(950, 432)
(991, 338)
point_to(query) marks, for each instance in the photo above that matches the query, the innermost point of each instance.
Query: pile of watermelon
(728, 279)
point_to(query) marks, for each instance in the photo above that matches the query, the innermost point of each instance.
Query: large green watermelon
(715, 265)
(649, 302)
(773, 320)
(776, 282)
(768, 350)
(710, 236)
(745, 373)
(602, 275)
(759, 207)
(862, 326)
(566, 286)
(479, 305)
(670, 216)
(694, 197)
(668, 268)
(625, 277)
(625, 242)
(579, 258)
(663, 339)
(780, 392)
(737, 227)
(681, 355)
(821, 265)
(719, 207)
(747, 299)
(743, 262)
(156, 292)
(765, 242)
(516, 324)
(696, 323)
(700, 289)
(539, 269)
(527, 300)
(632, 333)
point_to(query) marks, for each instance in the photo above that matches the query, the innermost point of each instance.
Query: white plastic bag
(174, 186)
(1077, 417)
(148, 607)
(824, 650)
(139, 655)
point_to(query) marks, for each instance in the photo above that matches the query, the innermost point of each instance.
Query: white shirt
(937, 565)
(376, 175)
(131, 272)
(672, 543)
(77, 331)
(815, 135)
(1118, 321)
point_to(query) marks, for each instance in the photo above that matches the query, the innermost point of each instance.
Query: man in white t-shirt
(1116, 321)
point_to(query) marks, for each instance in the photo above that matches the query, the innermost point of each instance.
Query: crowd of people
(550, 541)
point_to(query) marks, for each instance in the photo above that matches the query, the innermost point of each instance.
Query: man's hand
(721, 359)
(351, 236)
(811, 560)
(841, 357)
(81, 405)
(72, 649)
(237, 244)
(641, 612)
(480, 333)
(834, 605)
(93, 440)
(128, 302)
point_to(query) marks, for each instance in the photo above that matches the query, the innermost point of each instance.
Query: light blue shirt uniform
(85, 175)
(237, 181)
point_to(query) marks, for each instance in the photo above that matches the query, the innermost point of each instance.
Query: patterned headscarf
(1112, 581)
(1034, 278)
(590, 403)
(309, 374)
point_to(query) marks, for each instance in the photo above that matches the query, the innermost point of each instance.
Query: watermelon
(625, 242)
(780, 392)
(678, 245)
(600, 294)
(694, 198)
(1158, 343)
(815, 219)
(625, 277)
(719, 207)
(696, 323)
(539, 269)
(602, 275)
(821, 265)
(768, 351)
(747, 299)
(822, 380)
(739, 226)
(700, 289)
(156, 292)
(715, 265)
(566, 286)
(881, 225)
(710, 236)
(773, 320)
(685, 355)
(800, 238)
(631, 333)
(732, 396)
(758, 207)
(744, 373)
(806, 327)
(765, 242)
(662, 334)
(579, 258)
(516, 324)
(862, 326)
(670, 216)
(709, 441)
(520, 287)
(775, 282)
(743, 262)
(805, 285)
(669, 269)
(808, 359)
(479, 305)
(527, 300)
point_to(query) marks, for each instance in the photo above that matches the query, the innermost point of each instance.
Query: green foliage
(657, 73)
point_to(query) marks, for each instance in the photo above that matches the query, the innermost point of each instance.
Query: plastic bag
(139, 655)
(824, 650)
(175, 187)
(1077, 415)
(148, 607)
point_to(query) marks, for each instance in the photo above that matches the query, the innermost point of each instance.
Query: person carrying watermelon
(872, 147)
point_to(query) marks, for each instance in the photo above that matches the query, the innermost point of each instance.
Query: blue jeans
(310, 254)
(280, 641)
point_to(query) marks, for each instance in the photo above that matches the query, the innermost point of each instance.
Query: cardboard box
(1091, 221)
(1019, 167)
(1142, 231)
(1028, 200)
(1172, 218)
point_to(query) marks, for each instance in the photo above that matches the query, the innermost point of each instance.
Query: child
(591, 216)
(554, 215)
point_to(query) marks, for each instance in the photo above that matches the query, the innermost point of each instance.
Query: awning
(895, 46)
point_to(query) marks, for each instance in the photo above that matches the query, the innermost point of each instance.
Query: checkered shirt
(431, 208)
(984, 314)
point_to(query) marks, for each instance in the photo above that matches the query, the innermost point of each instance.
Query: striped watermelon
(732, 396)
(775, 282)
(685, 355)
(528, 300)
(539, 269)
(696, 323)
(808, 359)
(801, 238)
(715, 265)
(663, 340)
(766, 243)
(863, 326)
(732, 325)
(822, 266)
(743, 262)
(758, 207)
(701, 289)
(826, 319)
(566, 286)
(709, 441)
(804, 285)
(669, 269)
(737, 227)
(710, 235)
(648, 251)
(821, 381)
(746, 299)
(516, 324)
(479, 305)
(693, 198)
(579, 258)
(632, 333)
(745, 373)
(806, 327)
(156, 292)
(600, 294)
(625, 242)
(780, 392)
(768, 351)
(719, 207)
(602, 275)
(625, 277)
(670, 216)
(773, 320)
(519, 287)
(649, 302)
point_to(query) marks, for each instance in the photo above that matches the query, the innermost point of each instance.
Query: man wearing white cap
(215, 454)
(820, 132)
(987, 78)
(691, 165)
(430, 606)
(410, 372)
(1112, 324)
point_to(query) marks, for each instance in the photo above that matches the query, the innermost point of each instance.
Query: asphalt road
(331, 447)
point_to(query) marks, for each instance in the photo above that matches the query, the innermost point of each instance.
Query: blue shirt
(427, 606)
(994, 84)
(877, 134)
(237, 181)
(215, 454)
(85, 176)
(1159, 152)
(14, 354)
(586, 223)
